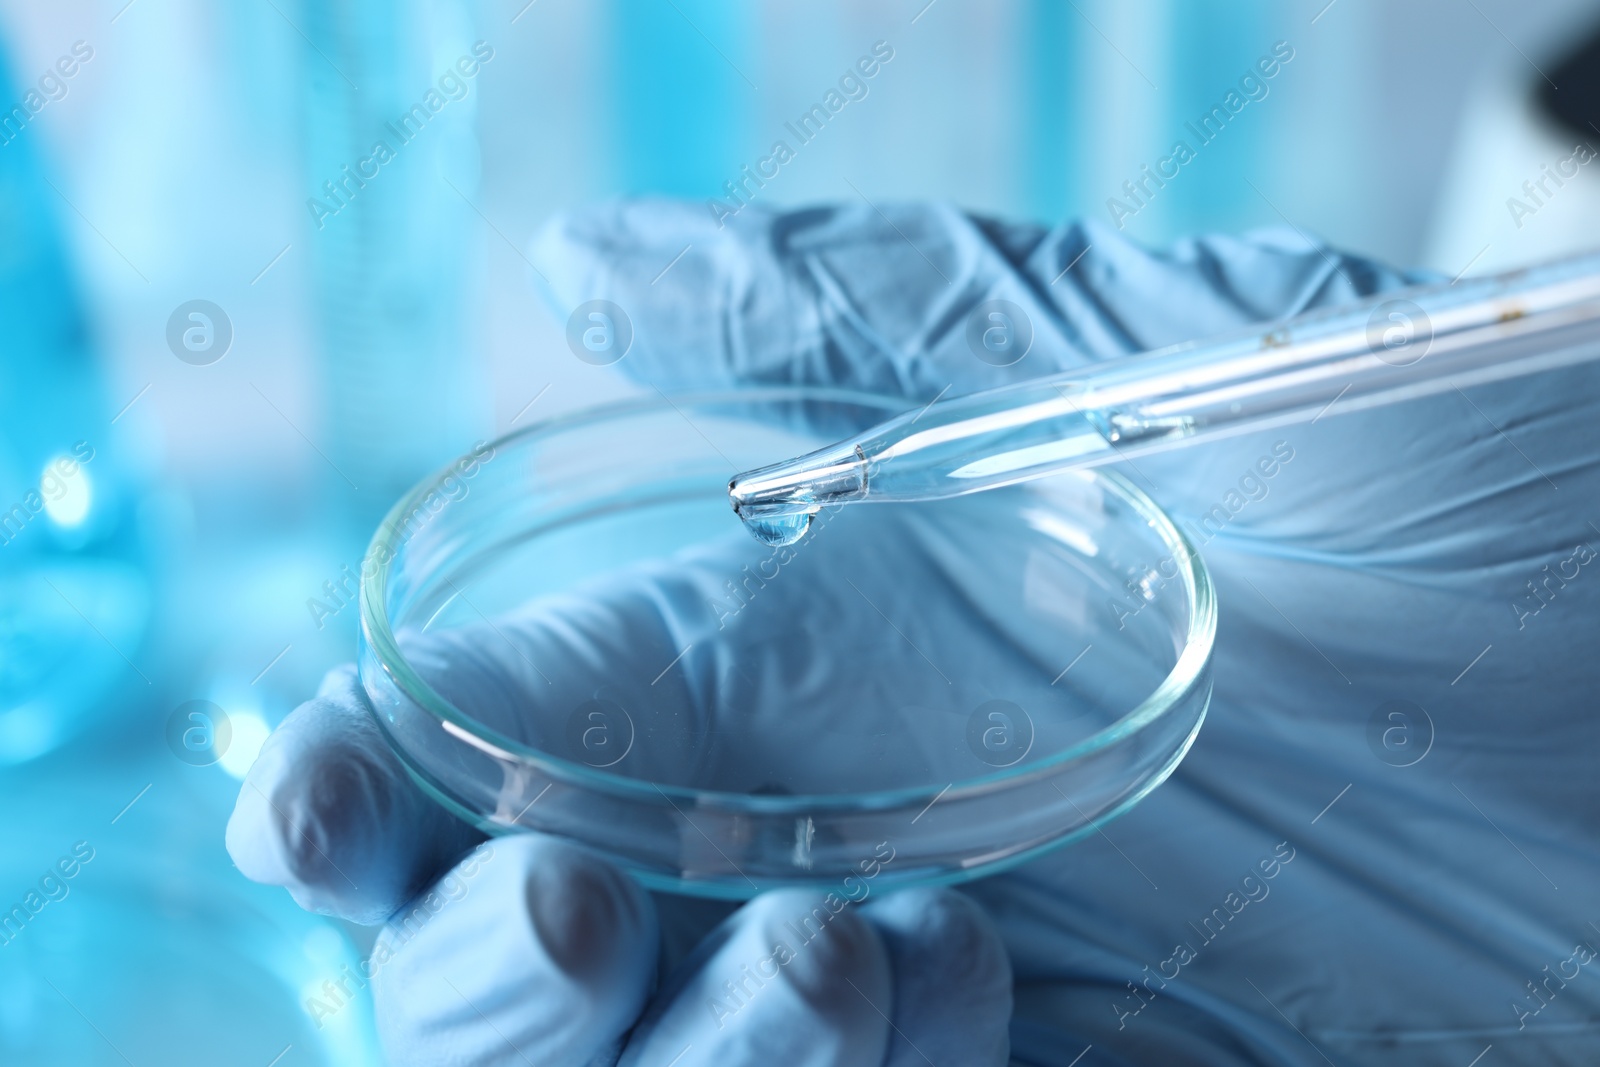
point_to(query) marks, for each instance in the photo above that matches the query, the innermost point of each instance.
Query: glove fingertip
(793, 977)
(528, 950)
(952, 977)
(328, 812)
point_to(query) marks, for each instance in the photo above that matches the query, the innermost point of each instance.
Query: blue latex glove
(530, 950)
(1415, 920)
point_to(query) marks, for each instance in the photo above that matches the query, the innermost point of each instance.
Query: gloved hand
(1410, 913)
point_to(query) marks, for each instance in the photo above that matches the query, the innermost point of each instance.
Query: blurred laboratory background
(222, 357)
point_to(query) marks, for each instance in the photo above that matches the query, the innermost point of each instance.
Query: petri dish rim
(1187, 672)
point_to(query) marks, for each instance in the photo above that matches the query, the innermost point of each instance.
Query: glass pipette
(1392, 347)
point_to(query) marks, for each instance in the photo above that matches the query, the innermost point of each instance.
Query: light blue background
(178, 165)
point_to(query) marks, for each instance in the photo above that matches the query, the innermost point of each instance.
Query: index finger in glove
(328, 812)
(896, 301)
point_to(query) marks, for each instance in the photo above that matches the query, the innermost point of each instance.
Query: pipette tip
(776, 503)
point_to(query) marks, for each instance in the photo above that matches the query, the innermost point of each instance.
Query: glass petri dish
(911, 694)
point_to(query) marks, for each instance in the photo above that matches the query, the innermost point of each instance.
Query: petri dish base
(911, 693)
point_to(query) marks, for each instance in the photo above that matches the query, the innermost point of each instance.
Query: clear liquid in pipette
(930, 464)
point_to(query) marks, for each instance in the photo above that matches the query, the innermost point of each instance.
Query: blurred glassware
(391, 159)
(1523, 184)
(74, 597)
(107, 958)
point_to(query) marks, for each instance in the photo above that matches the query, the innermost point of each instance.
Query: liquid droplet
(778, 530)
